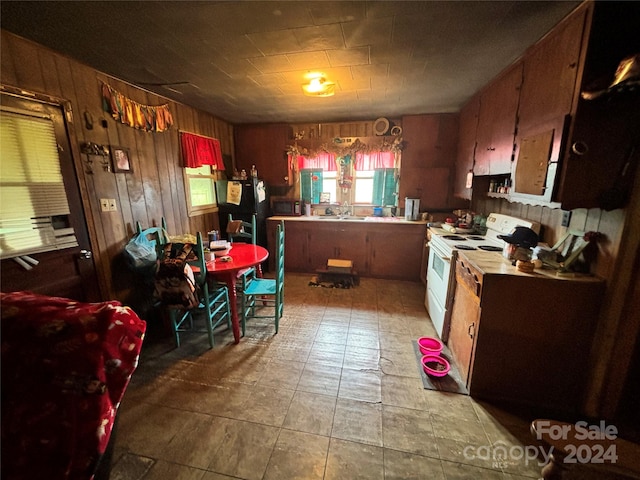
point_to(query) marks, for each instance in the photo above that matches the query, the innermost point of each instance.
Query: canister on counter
(214, 235)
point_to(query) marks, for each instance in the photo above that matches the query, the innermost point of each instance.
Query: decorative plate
(381, 126)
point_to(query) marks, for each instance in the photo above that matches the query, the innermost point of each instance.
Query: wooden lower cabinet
(465, 319)
(381, 250)
(296, 248)
(523, 338)
(396, 253)
(341, 241)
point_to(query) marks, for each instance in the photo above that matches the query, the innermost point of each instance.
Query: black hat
(522, 237)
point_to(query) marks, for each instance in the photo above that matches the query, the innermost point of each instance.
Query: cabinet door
(396, 254)
(265, 147)
(345, 241)
(497, 123)
(296, 246)
(466, 147)
(428, 159)
(297, 257)
(550, 73)
(465, 316)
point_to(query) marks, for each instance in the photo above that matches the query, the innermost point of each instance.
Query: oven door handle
(438, 251)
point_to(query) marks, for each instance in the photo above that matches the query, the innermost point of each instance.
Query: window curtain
(198, 151)
(324, 161)
(364, 161)
(374, 160)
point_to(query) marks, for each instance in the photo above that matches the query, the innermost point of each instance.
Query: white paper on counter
(262, 195)
(234, 193)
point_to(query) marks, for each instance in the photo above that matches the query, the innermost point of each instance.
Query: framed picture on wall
(121, 160)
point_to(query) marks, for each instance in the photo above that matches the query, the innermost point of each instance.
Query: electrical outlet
(566, 218)
(112, 205)
(104, 204)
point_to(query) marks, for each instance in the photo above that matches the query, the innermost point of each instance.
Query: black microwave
(286, 207)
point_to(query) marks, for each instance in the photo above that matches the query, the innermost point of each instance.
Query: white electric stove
(443, 249)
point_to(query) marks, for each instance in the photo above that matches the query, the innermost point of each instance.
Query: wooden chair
(270, 291)
(213, 297)
(239, 230)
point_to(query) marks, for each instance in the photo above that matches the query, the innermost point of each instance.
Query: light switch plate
(104, 204)
(112, 205)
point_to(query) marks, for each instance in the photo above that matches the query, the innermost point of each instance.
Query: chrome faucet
(345, 210)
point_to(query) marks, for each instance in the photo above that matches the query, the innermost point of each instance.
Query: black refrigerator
(253, 199)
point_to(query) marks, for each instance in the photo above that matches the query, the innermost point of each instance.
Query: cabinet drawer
(468, 276)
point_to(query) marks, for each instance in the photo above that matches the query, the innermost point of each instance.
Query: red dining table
(243, 255)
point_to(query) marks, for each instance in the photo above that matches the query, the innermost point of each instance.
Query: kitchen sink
(338, 217)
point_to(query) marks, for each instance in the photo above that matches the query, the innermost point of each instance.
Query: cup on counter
(307, 209)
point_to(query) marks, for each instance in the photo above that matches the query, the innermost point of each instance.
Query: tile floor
(336, 395)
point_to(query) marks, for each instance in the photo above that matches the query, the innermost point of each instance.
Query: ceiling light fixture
(319, 87)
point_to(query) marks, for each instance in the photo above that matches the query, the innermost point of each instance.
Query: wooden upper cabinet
(428, 159)
(264, 146)
(430, 140)
(497, 123)
(550, 73)
(466, 147)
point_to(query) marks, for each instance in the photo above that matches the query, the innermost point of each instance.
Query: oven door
(439, 274)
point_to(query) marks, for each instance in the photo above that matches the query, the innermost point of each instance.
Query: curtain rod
(197, 134)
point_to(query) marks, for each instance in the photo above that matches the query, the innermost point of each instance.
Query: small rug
(331, 283)
(450, 383)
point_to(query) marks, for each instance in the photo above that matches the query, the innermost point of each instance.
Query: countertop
(349, 219)
(493, 263)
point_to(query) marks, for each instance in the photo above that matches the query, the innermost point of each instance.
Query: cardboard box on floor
(339, 266)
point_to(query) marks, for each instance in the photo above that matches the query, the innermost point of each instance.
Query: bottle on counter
(243, 174)
(254, 171)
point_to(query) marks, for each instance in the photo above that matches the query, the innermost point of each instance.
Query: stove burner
(475, 237)
(465, 247)
(454, 237)
(490, 248)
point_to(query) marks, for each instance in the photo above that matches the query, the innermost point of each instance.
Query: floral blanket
(65, 368)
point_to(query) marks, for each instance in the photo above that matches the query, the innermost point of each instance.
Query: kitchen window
(347, 179)
(201, 157)
(200, 190)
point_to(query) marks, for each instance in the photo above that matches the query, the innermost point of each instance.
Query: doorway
(57, 261)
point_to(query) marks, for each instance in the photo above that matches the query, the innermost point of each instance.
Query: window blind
(34, 209)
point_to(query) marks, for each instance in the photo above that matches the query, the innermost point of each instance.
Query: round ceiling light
(319, 87)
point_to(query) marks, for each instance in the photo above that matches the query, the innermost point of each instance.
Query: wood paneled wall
(329, 131)
(154, 188)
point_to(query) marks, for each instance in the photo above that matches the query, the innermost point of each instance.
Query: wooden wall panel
(155, 187)
(7, 66)
(609, 224)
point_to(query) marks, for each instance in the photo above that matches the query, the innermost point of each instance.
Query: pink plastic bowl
(429, 346)
(435, 365)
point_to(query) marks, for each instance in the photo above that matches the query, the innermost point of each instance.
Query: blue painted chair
(269, 291)
(213, 298)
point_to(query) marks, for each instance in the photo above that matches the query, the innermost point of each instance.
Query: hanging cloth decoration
(198, 151)
(143, 117)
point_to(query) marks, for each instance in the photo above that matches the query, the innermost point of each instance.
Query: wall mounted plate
(381, 126)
